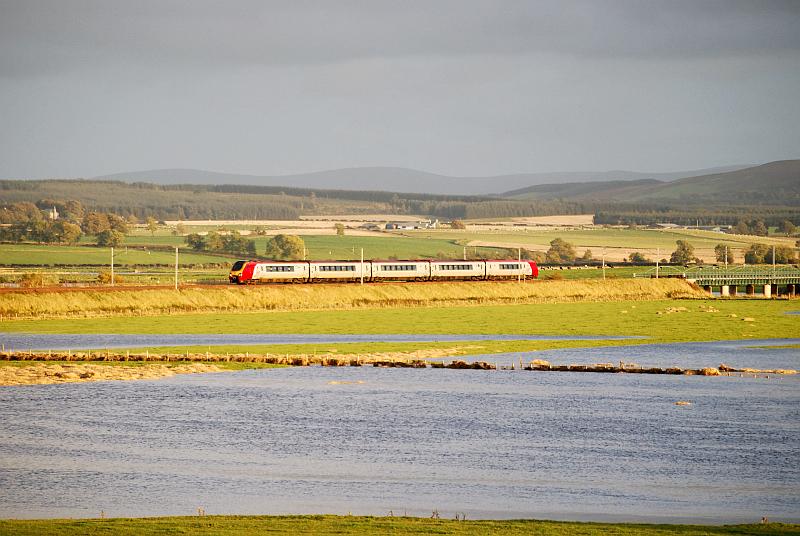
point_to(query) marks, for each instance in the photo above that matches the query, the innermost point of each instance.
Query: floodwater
(36, 341)
(489, 444)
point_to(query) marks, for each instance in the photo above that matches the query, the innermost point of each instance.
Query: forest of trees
(139, 201)
(214, 242)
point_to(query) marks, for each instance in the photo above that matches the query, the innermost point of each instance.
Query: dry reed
(126, 301)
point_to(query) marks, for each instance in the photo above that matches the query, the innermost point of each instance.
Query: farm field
(618, 242)
(593, 237)
(615, 243)
(36, 254)
(329, 524)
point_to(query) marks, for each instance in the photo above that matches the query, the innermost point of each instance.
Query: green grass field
(35, 254)
(328, 524)
(427, 243)
(639, 318)
(406, 245)
(323, 247)
(641, 239)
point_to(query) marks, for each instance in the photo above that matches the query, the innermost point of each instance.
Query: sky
(456, 87)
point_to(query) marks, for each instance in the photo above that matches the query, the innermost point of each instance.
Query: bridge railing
(743, 273)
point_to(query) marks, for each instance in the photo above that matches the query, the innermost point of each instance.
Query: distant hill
(776, 181)
(395, 179)
(606, 190)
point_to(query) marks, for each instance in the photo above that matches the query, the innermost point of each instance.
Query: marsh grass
(344, 525)
(343, 296)
(575, 318)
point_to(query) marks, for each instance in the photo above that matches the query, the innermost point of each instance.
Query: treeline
(506, 209)
(62, 222)
(240, 202)
(647, 214)
(142, 200)
(214, 242)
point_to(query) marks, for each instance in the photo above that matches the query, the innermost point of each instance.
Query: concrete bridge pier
(767, 291)
(725, 290)
(750, 290)
(791, 289)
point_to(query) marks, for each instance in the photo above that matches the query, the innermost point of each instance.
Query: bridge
(772, 280)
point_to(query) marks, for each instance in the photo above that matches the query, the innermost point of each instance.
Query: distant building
(52, 213)
(401, 225)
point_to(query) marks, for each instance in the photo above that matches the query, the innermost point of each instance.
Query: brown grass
(345, 296)
(41, 373)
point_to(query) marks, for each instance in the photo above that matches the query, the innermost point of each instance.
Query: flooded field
(495, 444)
(25, 341)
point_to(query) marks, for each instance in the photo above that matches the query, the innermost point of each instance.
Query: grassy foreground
(659, 321)
(327, 524)
(344, 296)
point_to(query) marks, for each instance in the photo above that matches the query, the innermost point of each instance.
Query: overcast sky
(454, 87)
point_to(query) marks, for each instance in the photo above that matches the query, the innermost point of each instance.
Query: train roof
(351, 261)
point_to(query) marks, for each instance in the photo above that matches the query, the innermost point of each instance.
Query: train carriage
(452, 270)
(277, 272)
(504, 269)
(339, 270)
(245, 272)
(418, 270)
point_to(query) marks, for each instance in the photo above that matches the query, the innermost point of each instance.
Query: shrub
(110, 238)
(560, 252)
(104, 277)
(683, 254)
(37, 279)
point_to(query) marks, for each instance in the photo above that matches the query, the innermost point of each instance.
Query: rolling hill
(776, 181)
(394, 179)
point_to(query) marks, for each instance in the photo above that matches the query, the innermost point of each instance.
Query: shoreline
(40, 373)
(347, 524)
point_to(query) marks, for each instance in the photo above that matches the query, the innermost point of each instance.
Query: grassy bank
(327, 524)
(659, 321)
(344, 296)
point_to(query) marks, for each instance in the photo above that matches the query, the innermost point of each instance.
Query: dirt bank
(47, 373)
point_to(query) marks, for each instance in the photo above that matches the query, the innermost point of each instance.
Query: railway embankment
(122, 301)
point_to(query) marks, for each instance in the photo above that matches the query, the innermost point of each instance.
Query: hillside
(780, 180)
(777, 182)
(607, 190)
(395, 179)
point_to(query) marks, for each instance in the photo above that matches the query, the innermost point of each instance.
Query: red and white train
(246, 272)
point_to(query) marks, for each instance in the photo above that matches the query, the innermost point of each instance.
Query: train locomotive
(249, 272)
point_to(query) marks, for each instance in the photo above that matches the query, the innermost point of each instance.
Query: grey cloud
(456, 87)
(49, 36)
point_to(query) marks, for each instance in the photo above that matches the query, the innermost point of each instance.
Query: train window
(509, 266)
(237, 265)
(349, 268)
(278, 268)
(398, 267)
(456, 267)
